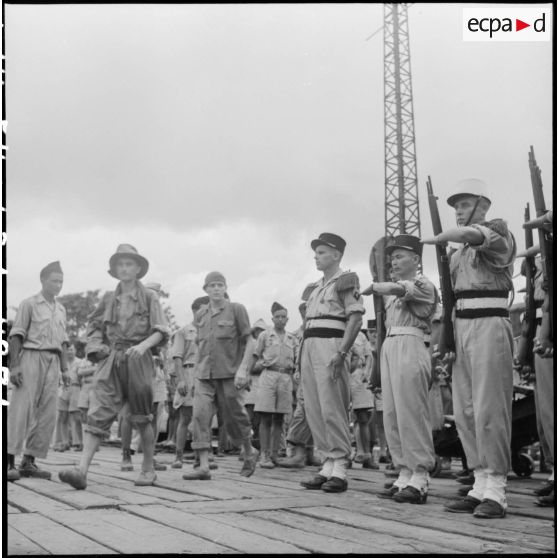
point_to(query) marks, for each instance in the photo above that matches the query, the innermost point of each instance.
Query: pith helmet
(469, 187)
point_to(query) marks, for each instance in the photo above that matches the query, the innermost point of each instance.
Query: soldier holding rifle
(481, 273)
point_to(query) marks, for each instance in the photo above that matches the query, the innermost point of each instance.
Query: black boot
(12, 473)
(28, 468)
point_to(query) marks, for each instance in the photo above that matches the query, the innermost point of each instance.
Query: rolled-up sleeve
(418, 290)
(492, 241)
(22, 320)
(158, 321)
(352, 301)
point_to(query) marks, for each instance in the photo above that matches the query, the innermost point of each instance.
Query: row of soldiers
(129, 325)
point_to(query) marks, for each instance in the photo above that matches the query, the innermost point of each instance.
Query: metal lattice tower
(401, 194)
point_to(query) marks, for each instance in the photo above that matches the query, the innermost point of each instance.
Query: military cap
(52, 267)
(469, 187)
(331, 240)
(214, 277)
(128, 251)
(406, 242)
(275, 307)
(199, 302)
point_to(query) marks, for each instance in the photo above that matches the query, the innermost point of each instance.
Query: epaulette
(499, 226)
(308, 291)
(347, 280)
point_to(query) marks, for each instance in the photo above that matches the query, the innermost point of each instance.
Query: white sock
(403, 478)
(327, 468)
(496, 488)
(340, 468)
(477, 490)
(419, 480)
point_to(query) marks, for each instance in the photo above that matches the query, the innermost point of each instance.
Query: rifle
(545, 237)
(529, 324)
(379, 269)
(447, 337)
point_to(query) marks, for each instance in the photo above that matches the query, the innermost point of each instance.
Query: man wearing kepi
(126, 325)
(333, 320)
(225, 345)
(36, 362)
(481, 270)
(406, 370)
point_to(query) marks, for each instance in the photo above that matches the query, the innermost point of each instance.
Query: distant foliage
(78, 307)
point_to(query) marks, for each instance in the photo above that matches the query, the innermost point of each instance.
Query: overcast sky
(227, 137)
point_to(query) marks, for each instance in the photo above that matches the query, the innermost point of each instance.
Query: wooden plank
(514, 529)
(432, 535)
(80, 499)
(374, 542)
(29, 501)
(12, 509)
(122, 495)
(209, 529)
(163, 494)
(222, 506)
(129, 534)
(19, 544)
(53, 537)
(308, 541)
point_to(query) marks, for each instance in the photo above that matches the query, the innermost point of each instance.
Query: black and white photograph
(278, 278)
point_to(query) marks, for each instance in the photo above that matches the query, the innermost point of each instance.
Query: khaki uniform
(327, 401)
(482, 371)
(406, 372)
(32, 410)
(361, 396)
(278, 356)
(184, 347)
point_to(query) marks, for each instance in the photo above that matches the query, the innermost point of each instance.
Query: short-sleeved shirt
(184, 345)
(326, 300)
(276, 351)
(221, 339)
(127, 318)
(416, 307)
(484, 266)
(41, 324)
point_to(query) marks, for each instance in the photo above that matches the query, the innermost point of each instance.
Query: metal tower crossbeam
(401, 190)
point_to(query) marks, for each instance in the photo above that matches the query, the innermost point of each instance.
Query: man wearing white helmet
(481, 270)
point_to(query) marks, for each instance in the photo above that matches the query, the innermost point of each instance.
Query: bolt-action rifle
(524, 353)
(379, 269)
(545, 236)
(447, 337)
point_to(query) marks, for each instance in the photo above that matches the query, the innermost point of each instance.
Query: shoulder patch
(499, 226)
(308, 291)
(347, 280)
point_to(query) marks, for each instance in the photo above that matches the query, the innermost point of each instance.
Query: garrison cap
(469, 187)
(128, 251)
(406, 242)
(52, 267)
(214, 277)
(199, 302)
(331, 240)
(275, 307)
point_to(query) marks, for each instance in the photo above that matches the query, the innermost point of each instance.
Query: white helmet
(469, 187)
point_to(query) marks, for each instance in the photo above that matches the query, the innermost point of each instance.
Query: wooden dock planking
(19, 544)
(208, 528)
(129, 534)
(432, 535)
(375, 542)
(266, 513)
(298, 537)
(54, 537)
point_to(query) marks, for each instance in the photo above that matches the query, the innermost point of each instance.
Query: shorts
(275, 393)
(361, 396)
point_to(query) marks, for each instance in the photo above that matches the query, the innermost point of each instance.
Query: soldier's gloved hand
(182, 389)
(137, 351)
(16, 376)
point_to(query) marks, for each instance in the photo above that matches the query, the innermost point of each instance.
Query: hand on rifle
(446, 357)
(543, 347)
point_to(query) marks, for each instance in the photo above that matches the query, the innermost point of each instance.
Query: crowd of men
(266, 386)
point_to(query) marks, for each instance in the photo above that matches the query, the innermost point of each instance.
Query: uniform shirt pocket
(225, 329)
